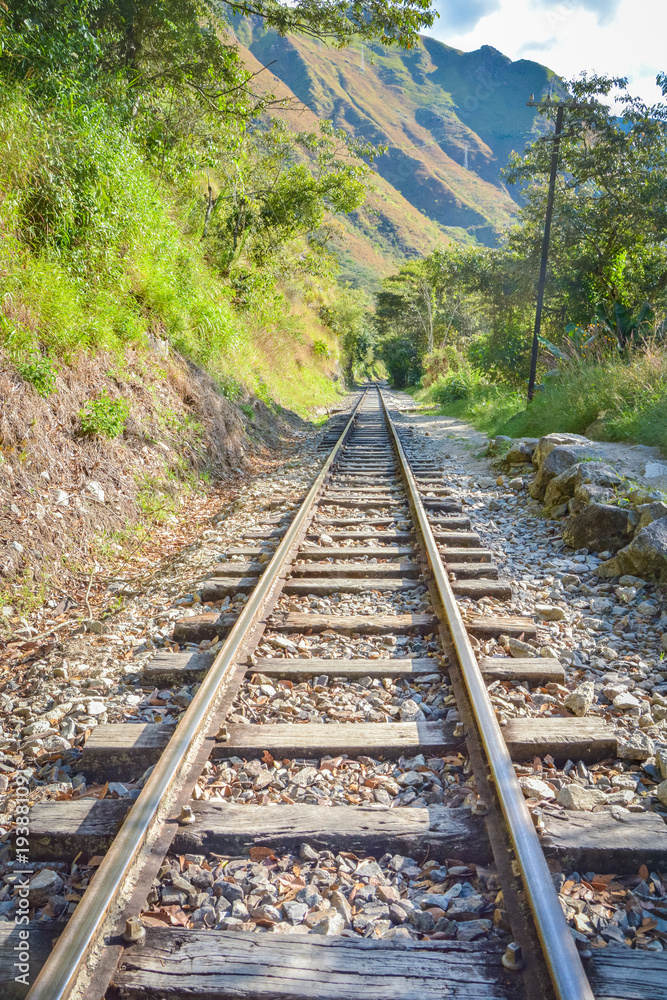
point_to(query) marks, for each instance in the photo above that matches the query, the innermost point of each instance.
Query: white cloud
(464, 15)
(610, 37)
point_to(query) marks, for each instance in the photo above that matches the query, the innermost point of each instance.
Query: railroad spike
(187, 816)
(135, 932)
(513, 959)
(538, 820)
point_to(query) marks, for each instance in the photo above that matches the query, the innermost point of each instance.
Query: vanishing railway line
(373, 520)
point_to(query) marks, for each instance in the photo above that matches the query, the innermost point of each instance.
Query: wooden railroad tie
(123, 751)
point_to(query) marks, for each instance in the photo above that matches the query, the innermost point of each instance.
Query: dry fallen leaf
(172, 915)
(600, 882)
(96, 791)
(258, 853)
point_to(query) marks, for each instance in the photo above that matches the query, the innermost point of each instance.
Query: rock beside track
(599, 527)
(559, 460)
(646, 555)
(606, 511)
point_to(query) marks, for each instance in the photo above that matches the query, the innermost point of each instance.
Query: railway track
(376, 520)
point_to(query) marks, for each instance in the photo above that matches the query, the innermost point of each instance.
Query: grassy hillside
(98, 255)
(434, 107)
(608, 399)
(125, 359)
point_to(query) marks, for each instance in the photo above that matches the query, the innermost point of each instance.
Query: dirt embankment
(72, 502)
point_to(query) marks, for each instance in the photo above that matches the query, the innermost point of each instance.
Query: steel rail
(560, 953)
(59, 975)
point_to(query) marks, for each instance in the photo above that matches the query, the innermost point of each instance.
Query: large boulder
(598, 473)
(547, 444)
(521, 451)
(588, 493)
(646, 555)
(564, 486)
(650, 512)
(657, 473)
(559, 460)
(585, 495)
(598, 528)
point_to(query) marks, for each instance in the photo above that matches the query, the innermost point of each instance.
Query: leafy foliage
(282, 186)
(320, 349)
(607, 281)
(347, 316)
(608, 254)
(149, 191)
(387, 21)
(461, 384)
(40, 372)
(104, 415)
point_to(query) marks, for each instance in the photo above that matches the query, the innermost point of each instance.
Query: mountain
(449, 120)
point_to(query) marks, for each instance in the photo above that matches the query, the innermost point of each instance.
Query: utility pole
(561, 108)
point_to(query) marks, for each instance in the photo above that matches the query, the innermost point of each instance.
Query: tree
(284, 185)
(386, 21)
(347, 316)
(183, 41)
(169, 70)
(609, 232)
(403, 320)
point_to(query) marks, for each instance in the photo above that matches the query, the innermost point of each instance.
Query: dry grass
(180, 435)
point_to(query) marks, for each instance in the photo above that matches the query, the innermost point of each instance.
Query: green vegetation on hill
(170, 298)
(100, 257)
(611, 399)
(148, 193)
(370, 241)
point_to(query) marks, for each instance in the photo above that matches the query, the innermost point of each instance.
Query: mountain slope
(387, 229)
(449, 120)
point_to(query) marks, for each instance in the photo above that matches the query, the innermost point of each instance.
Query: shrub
(504, 354)
(402, 361)
(628, 395)
(440, 363)
(263, 392)
(455, 385)
(39, 372)
(104, 416)
(320, 349)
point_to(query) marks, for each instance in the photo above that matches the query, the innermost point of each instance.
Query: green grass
(96, 253)
(24, 594)
(626, 399)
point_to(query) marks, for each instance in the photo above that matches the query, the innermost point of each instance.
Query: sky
(609, 37)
